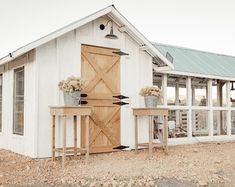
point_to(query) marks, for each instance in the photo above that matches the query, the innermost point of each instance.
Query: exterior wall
(60, 58)
(20, 144)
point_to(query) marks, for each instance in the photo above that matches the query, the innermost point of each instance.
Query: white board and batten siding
(60, 58)
(25, 144)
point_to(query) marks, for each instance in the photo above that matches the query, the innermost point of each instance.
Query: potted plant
(152, 95)
(72, 88)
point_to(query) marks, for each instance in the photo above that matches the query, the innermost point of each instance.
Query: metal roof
(199, 62)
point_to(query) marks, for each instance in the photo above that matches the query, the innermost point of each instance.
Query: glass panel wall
(200, 125)
(220, 122)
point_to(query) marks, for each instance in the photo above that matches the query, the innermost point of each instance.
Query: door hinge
(120, 103)
(121, 147)
(83, 95)
(84, 102)
(120, 53)
(120, 97)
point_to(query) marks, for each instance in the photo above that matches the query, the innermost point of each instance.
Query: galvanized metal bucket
(151, 101)
(72, 98)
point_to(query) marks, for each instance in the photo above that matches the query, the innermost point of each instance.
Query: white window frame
(14, 100)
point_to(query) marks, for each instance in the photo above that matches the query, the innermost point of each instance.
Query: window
(18, 110)
(215, 92)
(177, 123)
(200, 123)
(220, 122)
(1, 82)
(233, 122)
(199, 92)
(219, 93)
(176, 90)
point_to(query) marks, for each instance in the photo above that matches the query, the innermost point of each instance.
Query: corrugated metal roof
(199, 62)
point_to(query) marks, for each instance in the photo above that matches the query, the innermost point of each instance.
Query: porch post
(189, 103)
(228, 96)
(177, 112)
(165, 90)
(210, 104)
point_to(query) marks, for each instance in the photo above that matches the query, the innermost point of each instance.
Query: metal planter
(72, 98)
(151, 101)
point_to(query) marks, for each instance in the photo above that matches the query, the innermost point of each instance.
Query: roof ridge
(190, 49)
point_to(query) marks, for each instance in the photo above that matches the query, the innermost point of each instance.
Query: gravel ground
(187, 165)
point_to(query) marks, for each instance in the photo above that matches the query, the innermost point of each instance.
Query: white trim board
(192, 74)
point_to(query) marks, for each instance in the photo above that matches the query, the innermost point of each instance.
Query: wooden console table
(150, 112)
(64, 112)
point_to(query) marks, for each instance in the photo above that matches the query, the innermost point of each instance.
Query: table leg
(136, 134)
(87, 122)
(53, 138)
(75, 135)
(165, 132)
(150, 136)
(64, 142)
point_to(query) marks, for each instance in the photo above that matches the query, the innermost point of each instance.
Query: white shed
(30, 77)
(198, 86)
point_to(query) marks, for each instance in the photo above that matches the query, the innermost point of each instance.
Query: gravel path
(187, 165)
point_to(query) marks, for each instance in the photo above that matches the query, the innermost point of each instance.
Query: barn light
(111, 35)
(232, 88)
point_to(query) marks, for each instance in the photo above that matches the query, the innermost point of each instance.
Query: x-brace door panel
(101, 72)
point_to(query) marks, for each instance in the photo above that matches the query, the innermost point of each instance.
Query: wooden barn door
(101, 72)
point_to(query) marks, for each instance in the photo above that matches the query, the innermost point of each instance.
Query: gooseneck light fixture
(232, 87)
(111, 35)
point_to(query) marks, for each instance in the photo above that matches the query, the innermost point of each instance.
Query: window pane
(157, 80)
(220, 122)
(18, 126)
(232, 94)
(233, 122)
(200, 123)
(224, 94)
(177, 123)
(219, 93)
(1, 83)
(176, 90)
(199, 92)
(215, 98)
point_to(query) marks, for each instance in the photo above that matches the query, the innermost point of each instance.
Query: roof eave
(190, 74)
(55, 34)
(133, 32)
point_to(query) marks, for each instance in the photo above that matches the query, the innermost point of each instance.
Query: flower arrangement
(71, 84)
(151, 91)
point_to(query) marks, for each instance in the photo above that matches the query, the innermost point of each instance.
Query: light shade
(232, 88)
(111, 35)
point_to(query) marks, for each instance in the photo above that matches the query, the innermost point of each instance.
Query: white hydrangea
(151, 91)
(71, 84)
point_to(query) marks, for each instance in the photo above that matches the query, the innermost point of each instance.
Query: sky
(207, 25)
